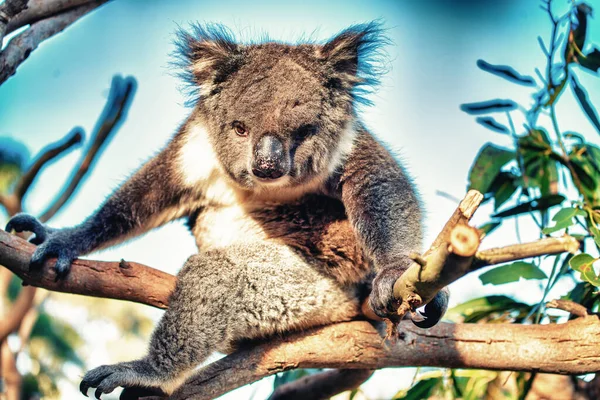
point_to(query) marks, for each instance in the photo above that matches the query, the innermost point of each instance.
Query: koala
(297, 210)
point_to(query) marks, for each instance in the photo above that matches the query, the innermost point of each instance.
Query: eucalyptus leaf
(485, 107)
(539, 204)
(506, 72)
(492, 124)
(423, 389)
(511, 273)
(591, 61)
(489, 227)
(584, 102)
(558, 226)
(479, 308)
(487, 166)
(583, 263)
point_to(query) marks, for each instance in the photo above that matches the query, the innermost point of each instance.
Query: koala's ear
(207, 54)
(352, 54)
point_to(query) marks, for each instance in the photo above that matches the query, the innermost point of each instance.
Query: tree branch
(355, 345)
(323, 385)
(48, 154)
(8, 10)
(570, 348)
(41, 9)
(114, 280)
(21, 46)
(114, 113)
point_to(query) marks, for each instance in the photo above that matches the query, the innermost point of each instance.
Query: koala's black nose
(270, 160)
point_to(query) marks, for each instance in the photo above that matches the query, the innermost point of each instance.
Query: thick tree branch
(41, 9)
(114, 280)
(21, 46)
(8, 10)
(355, 345)
(570, 348)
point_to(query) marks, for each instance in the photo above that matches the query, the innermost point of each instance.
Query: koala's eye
(305, 131)
(239, 128)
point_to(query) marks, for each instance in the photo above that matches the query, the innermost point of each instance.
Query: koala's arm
(383, 207)
(149, 198)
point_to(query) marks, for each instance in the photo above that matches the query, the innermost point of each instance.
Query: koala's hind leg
(223, 297)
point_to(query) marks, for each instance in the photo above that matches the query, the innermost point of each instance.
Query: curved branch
(570, 348)
(48, 154)
(21, 46)
(41, 9)
(8, 10)
(114, 113)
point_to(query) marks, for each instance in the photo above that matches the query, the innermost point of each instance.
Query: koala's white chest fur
(222, 220)
(223, 226)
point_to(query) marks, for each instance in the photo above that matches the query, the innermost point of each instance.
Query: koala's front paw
(105, 379)
(382, 300)
(51, 243)
(137, 377)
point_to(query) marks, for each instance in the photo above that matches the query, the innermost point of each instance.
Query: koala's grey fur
(275, 255)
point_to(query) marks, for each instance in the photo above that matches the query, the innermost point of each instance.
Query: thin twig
(115, 111)
(47, 155)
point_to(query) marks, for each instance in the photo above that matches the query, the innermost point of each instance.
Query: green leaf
(582, 13)
(585, 294)
(505, 190)
(564, 219)
(482, 307)
(506, 72)
(421, 390)
(511, 273)
(585, 103)
(583, 263)
(492, 124)
(485, 107)
(539, 161)
(60, 337)
(584, 161)
(539, 204)
(591, 61)
(558, 226)
(487, 166)
(489, 227)
(568, 213)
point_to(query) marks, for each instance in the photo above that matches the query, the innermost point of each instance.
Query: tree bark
(570, 348)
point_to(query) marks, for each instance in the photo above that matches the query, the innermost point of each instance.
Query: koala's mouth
(283, 180)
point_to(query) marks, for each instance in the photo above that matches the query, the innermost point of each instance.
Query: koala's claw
(105, 379)
(129, 375)
(433, 311)
(50, 242)
(385, 305)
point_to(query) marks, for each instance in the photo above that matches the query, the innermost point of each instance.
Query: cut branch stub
(448, 259)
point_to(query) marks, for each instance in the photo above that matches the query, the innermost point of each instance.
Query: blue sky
(416, 110)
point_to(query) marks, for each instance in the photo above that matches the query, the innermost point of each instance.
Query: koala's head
(279, 114)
